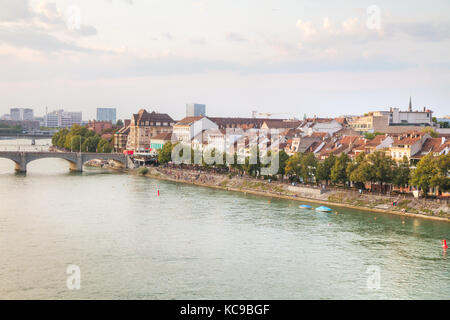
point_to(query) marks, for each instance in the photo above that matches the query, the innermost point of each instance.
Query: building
(393, 121)
(121, 137)
(327, 126)
(22, 114)
(25, 125)
(410, 117)
(407, 145)
(144, 126)
(281, 125)
(186, 129)
(435, 146)
(99, 126)
(62, 119)
(158, 141)
(195, 110)
(106, 114)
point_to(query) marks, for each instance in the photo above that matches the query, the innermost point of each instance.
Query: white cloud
(13, 10)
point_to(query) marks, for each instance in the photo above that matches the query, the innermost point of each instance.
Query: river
(196, 243)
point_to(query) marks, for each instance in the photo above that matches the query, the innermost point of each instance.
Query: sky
(285, 57)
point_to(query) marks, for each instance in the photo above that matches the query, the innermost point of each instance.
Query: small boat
(305, 206)
(323, 209)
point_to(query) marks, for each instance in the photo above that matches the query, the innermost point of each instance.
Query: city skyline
(294, 57)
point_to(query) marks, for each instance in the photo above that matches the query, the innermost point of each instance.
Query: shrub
(143, 171)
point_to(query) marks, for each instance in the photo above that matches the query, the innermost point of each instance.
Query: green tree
(430, 131)
(119, 123)
(441, 178)
(104, 146)
(165, 153)
(308, 168)
(402, 173)
(90, 144)
(323, 171)
(339, 170)
(283, 157)
(293, 165)
(381, 167)
(423, 175)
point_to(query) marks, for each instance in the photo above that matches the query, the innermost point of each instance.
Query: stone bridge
(75, 159)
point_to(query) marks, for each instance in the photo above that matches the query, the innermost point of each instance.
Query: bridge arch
(76, 160)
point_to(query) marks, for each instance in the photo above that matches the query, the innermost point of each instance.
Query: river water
(195, 243)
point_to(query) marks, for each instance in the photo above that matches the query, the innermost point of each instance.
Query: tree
(381, 167)
(360, 171)
(423, 174)
(441, 178)
(308, 167)
(339, 170)
(119, 123)
(283, 157)
(293, 165)
(430, 131)
(73, 142)
(323, 171)
(402, 173)
(104, 146)
(165, 153)
(90, 144)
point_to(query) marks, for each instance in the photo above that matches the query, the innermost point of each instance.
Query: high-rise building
(106, 114)
(195, 110)
(22, 114)
(62, 119)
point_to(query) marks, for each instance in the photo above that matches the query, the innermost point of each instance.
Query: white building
(410, 117)
(329, 127)
(21, 114)
(62, 119)
(187, 128)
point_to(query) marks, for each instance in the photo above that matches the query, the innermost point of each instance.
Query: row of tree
(81, 138)
(375, 168)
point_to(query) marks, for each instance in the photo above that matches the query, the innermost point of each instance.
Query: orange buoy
(444, 244)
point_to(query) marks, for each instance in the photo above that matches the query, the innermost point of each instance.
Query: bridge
(75, 159)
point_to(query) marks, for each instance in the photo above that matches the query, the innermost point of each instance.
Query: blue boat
(323, 209)
(305, 206)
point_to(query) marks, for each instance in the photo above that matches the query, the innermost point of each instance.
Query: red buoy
(444, 244)
(158, 192)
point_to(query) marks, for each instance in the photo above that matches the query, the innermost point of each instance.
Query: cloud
(13, 10)
(236, 37)
(22, 37)
(42, 28)
(424, 31)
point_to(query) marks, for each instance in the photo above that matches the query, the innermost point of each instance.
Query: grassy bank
(420, 208)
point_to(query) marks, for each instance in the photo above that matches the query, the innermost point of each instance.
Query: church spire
(410, 105)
